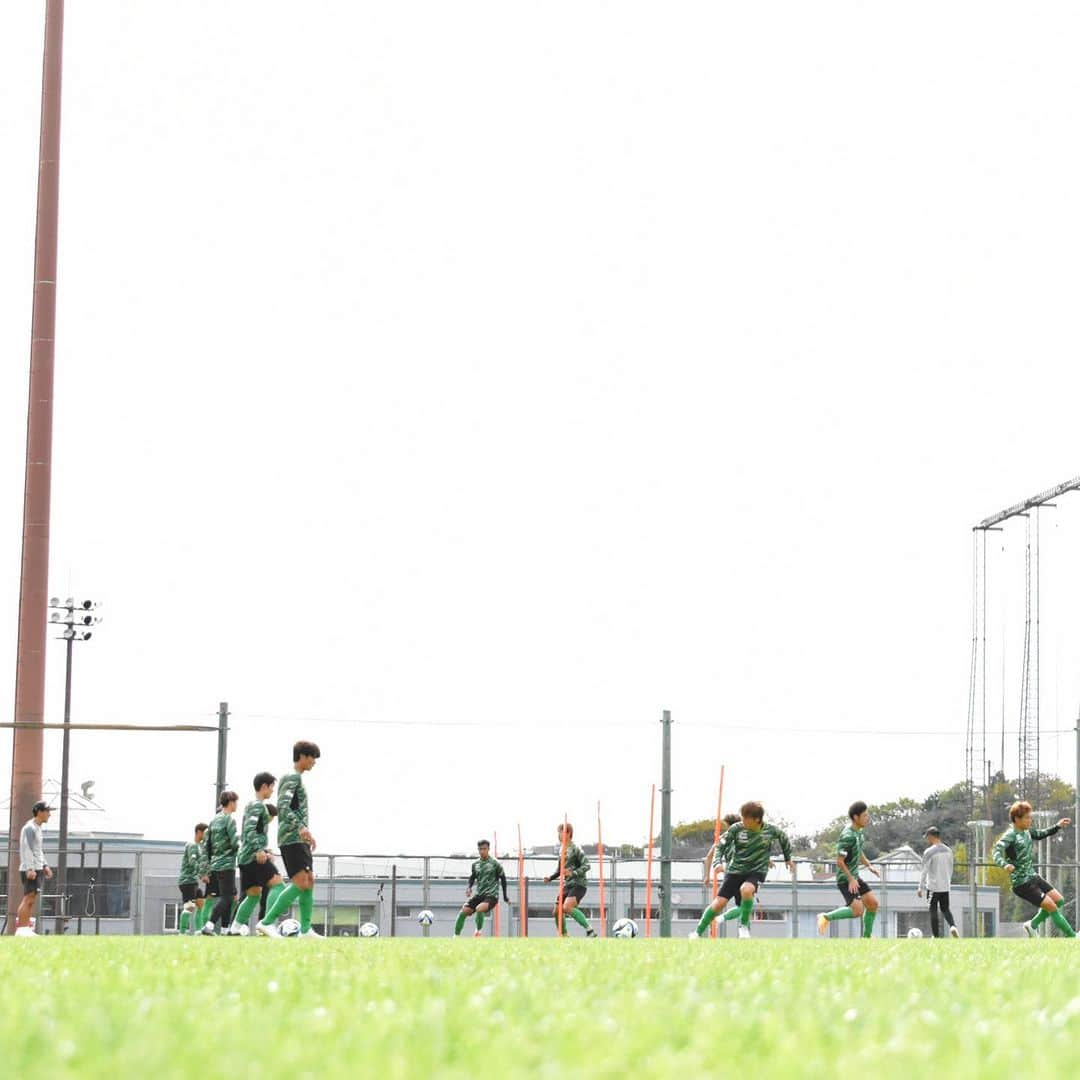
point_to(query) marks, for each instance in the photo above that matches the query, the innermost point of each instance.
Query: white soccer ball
(624, 928)
(369, 929)
(914, 932)
(289, 928)
(425, 918)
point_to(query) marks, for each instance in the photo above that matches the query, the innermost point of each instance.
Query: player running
(191, 878)
(296, 844)
(257, 869)
(1014, 852)
(221, 847)
(859, 900)
(487, 875)
(744, 851)
(574, 888)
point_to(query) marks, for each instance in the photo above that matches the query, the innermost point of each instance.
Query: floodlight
(69, 602)
(87, 604)
(86, 635)
(54, 601)
(54, 617)
(87, 620)
(69, 634)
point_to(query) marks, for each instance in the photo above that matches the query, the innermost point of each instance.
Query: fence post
(97, 881)
(331, 896)
(795, 899)
(393, 900)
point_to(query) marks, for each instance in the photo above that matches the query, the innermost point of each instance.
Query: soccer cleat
(953, 932)
(208, 929)
(478, 933)
(590, 932)
(695, 936)
(310, 932)
(1030, 930)
(267, 930)
(744, 933)
(25, 931)
(822, 924)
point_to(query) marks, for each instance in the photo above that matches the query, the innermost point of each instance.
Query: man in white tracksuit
(936, 879)
(33, 868)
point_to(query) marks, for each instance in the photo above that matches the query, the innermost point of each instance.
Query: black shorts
(297, 857)
(1034, 890)
(256, 875)
(31, 885)
(577, 892)
(223, 882)
(733, 883)
(188, 891)
(475, 901)
(851, 895)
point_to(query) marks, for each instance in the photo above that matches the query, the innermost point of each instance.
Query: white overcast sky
(458, 385)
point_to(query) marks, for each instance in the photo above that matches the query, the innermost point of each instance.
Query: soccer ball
(289, 928)
(914, 932)
(624, 928)
(369, 929)
(425, 918)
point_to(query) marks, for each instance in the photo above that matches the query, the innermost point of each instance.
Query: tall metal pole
(1076, 824)
(27, 743)
(65, 772)
(222, 745)
(665, 831)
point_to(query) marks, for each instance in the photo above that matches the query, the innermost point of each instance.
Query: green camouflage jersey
(747, 851)
(191, 864)
(850, 846)
(292, 809)
(253, 838)
(204, 859)
(1016, 847)
(221, 844)
(487, 875)
(577, 866)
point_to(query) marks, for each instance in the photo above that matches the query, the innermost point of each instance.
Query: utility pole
(665, 830)
(1076, 823)
(222, 745)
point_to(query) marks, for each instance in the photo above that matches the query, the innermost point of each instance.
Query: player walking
(574, 887)
(1014, 852)
(744, 851)
(859, 899)
(936, 879)
(33, 869)
(257, 869)
(296, 844)
(487, 875)
(221, 847)
(191, 877)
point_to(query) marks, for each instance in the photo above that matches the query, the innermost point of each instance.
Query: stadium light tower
(76, 619)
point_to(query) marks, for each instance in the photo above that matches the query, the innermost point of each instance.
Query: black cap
(932, 831)
(39, 806)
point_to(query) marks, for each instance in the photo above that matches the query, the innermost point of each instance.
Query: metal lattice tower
(1029, 691)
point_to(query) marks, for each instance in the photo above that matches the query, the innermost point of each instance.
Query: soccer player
(1014, 853)
(744, 850)
(936, 878)
(296, 844)
(264, 896)
(207, 890)
(221, 847)
(707, 863)
(257, 869)
(487, 874)
(32, 867)
(574, 888)
(190, 877)
(859, 899)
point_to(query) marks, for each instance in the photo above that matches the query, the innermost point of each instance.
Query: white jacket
(937, 868)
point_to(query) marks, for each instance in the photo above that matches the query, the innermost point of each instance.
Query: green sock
(460, 924)
(707, 917)
(202, 915)
(185, 919)
(1040, 917)
(840, 913)
(273, 894)
(284, 901)
(479, 920)
(579, 917)
(1059, 920)
(306, 902)
(868, 923)
(243, 912)
(732, 913)
(745, 908)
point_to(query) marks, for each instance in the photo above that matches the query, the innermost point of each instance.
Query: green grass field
(167, 1007)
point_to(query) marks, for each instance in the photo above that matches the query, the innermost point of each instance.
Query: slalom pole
(648, 867)
(562, 873)
(600, 859)
(523, 911)
(716, 840)
(495, 845)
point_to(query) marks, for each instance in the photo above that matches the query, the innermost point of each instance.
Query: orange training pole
(716, 840)
(562, 873)
(495, 845)
(600, 859)
(648, 867)
(523, 913)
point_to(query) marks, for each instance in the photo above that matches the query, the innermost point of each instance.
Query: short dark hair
(226, 798)
(271, 809)
(856, 808)
(932, 831)
(201, 827)
(483, 843)
(732, 819)
(263, 778)
(753, 810)
(569, 827)
(303, 748)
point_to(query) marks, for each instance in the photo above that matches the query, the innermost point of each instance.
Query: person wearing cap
(32, 868)
(936, 880)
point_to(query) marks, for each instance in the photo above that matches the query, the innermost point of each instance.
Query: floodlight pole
(222, 745)
(665, 830)
(61, 855)
(27, 742)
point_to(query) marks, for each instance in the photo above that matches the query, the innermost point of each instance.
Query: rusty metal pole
(26, 754)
